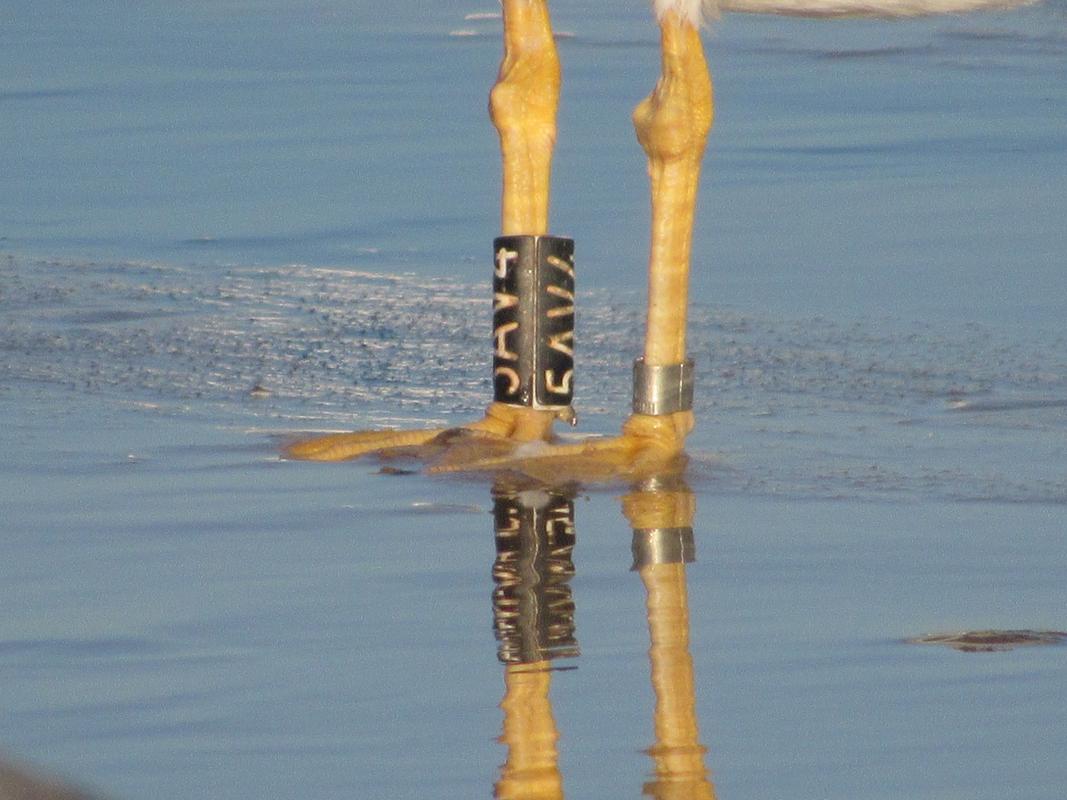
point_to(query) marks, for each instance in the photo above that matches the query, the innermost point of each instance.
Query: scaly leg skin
(672, 126)
(523, 106)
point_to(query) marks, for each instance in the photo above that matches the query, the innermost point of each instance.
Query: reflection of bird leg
(662, 519)
(533, 608)
(531, 771)
(523, 108)
(678, 754)
(533, 614)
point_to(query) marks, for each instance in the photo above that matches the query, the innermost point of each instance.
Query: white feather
(697, 11)
(866, 8)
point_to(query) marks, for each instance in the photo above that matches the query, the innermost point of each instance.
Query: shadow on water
(533, 611)
(20, 783)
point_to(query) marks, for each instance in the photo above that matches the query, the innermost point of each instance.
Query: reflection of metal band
(663, 546)
(662, 389)
(533, 321)
(533, 609)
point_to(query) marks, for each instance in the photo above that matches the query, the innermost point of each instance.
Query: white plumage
(696, 11)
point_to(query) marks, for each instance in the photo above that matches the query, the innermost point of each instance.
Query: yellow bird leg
(516, 423)
(672, 126)
(523, 106)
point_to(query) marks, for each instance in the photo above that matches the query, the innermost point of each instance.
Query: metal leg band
(662, 546)
(664, 389)
(533, 321)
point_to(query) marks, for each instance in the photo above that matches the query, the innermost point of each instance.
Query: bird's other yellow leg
(522, 105)
(672, 126)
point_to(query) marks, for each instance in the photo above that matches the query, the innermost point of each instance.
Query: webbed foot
(519, 440)
(502, 426)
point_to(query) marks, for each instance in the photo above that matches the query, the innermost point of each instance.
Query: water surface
(203, 200)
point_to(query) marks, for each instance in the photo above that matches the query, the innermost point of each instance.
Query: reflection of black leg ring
(533, 321)
(533, 609)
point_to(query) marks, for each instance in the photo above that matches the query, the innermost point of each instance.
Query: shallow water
(206, 200)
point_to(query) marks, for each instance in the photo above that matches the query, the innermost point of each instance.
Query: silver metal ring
(662, 389)
(663, 546)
